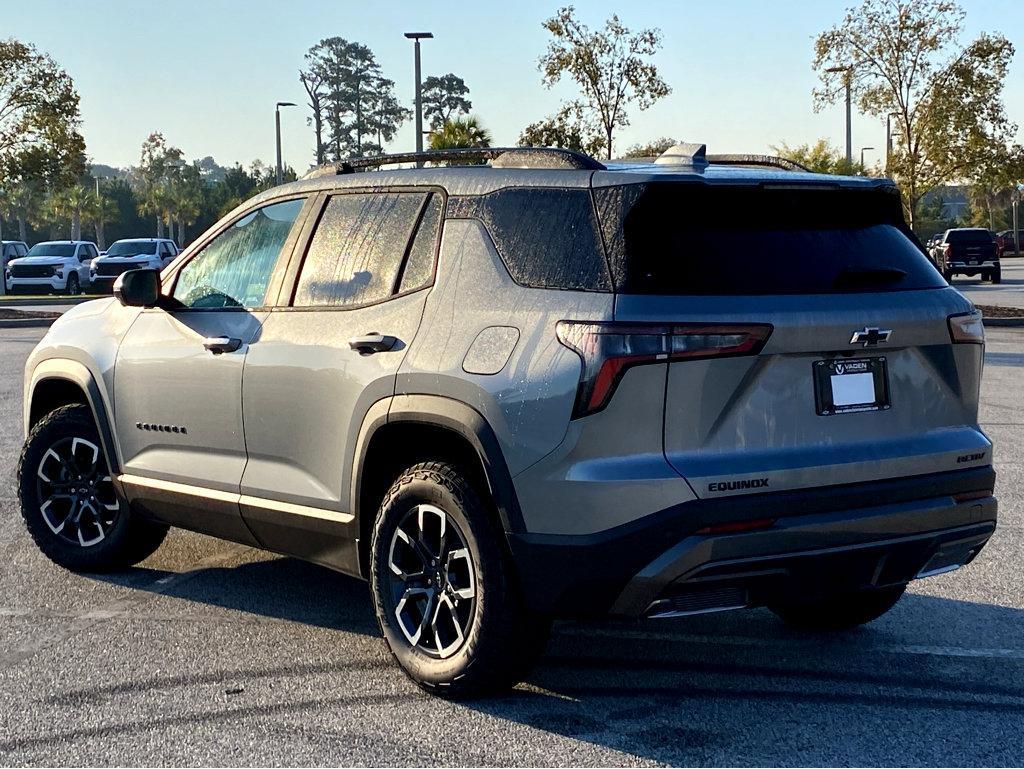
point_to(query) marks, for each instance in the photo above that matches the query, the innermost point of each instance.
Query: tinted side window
(419, 266)
(547, 237)
(235, 268)
(358, 248)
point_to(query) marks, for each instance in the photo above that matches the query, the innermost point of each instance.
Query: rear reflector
(736, 526)
(608, 349)
(967, 328)
(968, 496)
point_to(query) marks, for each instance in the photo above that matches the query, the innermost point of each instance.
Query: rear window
(547, 237)
(701, 239)
(969, 236)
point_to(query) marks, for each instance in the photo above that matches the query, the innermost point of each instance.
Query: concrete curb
(26, 322)
(1004, 322)
(28, 300)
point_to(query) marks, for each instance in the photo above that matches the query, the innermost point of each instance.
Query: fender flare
(78, 374)
(459, 418)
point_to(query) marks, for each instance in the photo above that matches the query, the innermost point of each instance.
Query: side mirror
(138, 288)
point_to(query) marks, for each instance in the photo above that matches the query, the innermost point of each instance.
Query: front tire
(839, 612)
(444, 589)
(74, 286)
(68, 500)
(996, 276)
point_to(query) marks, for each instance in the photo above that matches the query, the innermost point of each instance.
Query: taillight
(608, 349)
(967, 328)
(948, 250)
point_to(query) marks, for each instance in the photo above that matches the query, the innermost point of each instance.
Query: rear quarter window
(704, 239)
(546, 237)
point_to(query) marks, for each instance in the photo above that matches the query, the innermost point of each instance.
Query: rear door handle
(221, 344)
(372, 342)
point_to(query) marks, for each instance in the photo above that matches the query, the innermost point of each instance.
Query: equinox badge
(870, 336)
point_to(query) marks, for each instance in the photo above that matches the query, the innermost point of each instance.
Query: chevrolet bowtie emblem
(871, 336)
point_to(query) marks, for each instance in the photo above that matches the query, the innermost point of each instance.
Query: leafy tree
(906, 60)
(39, 119)
(313, 81)
(357, 102)
(652, 149)
(460, 133)
(821, 158)
(185, 199)
(384, 115)
(443, 97)
(159, 164)
(610, 66)
(568, 129)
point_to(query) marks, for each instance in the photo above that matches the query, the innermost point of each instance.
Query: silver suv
(536, 388)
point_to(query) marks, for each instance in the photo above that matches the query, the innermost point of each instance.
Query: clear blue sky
(740, 70)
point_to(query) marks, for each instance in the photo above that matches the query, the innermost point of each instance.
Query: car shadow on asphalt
(629, 685)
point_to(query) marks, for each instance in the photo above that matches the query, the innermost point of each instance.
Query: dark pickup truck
(968, 251)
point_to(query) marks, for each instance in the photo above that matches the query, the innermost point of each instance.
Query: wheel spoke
(410, 546)
(459, 574)
(93, 454)
(423, 511)
(411, 599)
(445, 605)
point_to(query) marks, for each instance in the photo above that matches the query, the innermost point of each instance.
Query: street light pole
(862, 159)
(277, 127)
(416, 37)
(1016, 220)
(848, 80)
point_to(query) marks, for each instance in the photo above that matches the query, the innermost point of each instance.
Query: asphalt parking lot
(213, 653)
(1009, 293)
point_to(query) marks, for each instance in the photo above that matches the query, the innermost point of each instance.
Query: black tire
(948, 275)
(121, 539)
(74, 286)
(997, 276)
(839, 612)
(501, 639)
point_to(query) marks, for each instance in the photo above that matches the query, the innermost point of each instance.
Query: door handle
(372, 342)
(221, 344)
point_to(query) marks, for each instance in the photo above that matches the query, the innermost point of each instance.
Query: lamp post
(1016, 219)
(277, 126)
(416, 37)
(888, 139)
(862, 149)
(847, 79)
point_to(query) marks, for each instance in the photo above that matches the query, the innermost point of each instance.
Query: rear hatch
(811, 335)
(970, 246)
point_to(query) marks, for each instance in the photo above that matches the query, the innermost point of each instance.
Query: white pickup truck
(58, 266)
(130, 254)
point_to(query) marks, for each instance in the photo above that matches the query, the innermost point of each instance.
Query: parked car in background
(54, 266)
(131, 254)
(10, 249)
(968, 251)
(1009, 239)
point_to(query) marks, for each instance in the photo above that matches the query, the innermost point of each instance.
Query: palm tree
(460, 133)
(22, 202)
(76, 203)
(101, 211)
(185, 200)
(154, 202)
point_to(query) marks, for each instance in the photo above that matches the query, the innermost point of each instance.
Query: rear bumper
(827, 539)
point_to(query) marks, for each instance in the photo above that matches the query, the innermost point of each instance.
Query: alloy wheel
(76, 495)
(432, 581)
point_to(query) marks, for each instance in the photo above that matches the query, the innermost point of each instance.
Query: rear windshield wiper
(865, 277)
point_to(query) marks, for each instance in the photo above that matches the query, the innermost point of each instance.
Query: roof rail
(757, 160)
(500, 157)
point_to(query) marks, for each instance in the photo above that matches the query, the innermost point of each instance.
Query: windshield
(52, 249)
(132, 248)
